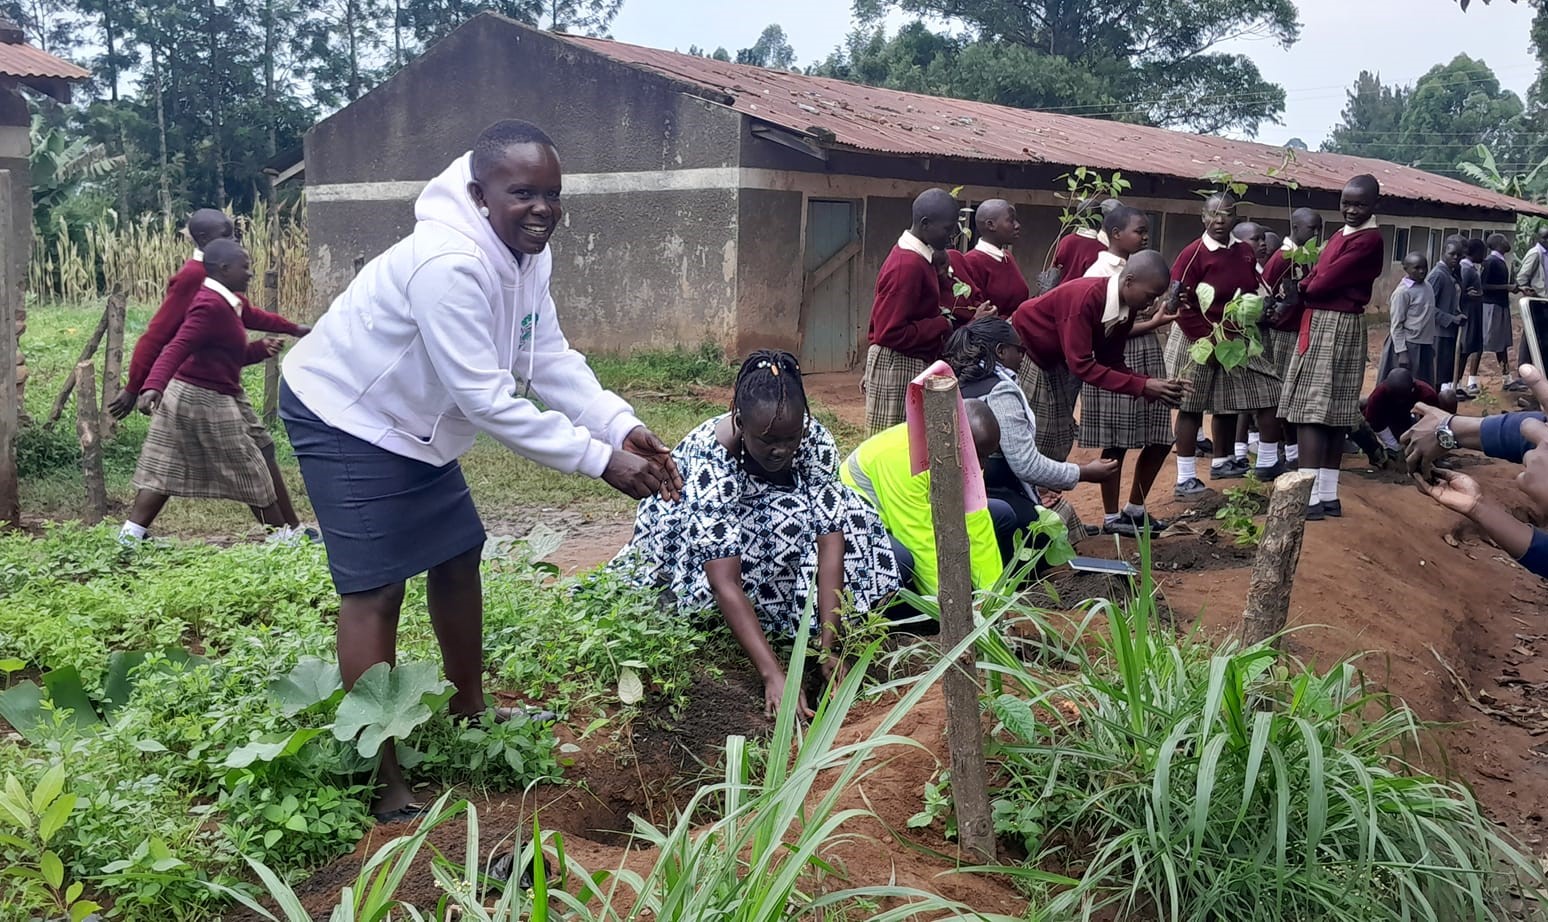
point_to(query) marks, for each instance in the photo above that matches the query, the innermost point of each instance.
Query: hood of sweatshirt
(445, 200)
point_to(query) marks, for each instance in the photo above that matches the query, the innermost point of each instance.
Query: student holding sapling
(1327, 372)
(1216, 347)
(1286, 266)
(443, 336)
(764, 531)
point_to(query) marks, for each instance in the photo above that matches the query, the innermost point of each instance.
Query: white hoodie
(441, 335)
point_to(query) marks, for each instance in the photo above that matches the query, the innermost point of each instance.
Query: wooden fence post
(271, 365)
(964, 727)
(86, 353)
(1279, 550)
(88, 430)
(113, 359)
(10, 410)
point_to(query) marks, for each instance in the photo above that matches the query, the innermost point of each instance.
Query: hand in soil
(834, 669)
(1457, 492)
(774, 693)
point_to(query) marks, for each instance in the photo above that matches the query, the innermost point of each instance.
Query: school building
(695, 188)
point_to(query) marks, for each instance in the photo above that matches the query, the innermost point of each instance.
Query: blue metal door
(829, 316)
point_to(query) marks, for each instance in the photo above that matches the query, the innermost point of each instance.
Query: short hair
(1367, 182)
(1224, 197)
(988, 209)
(208, 224)
(1455, 240)
(935, 205)
(1496, 239)
(1304, 215)
(221, 252)
(1477, 249)
(1417, 257)
(1109, 204)
(983, 425)
(1148, 265)
(1120, 218)
(769, 378)
(495, 140)
(1246, 230)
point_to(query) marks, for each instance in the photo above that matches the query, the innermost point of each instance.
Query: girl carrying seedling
(764, 531)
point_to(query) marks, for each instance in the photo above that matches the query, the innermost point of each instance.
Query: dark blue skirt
(383, 517)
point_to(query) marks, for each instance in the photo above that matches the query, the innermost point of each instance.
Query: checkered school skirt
(887, 374)
(1281, 345)
(1244, 389)
(1053, 396)
(205, 445)
(1112, 420)
(1322, 387)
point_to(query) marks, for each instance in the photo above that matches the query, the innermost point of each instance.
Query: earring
(484, 210)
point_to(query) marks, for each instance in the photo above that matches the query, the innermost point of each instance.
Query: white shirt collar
(224, 292)
(198, 255)
(1107, 265)
(1211, 244)
(914, 245)
(1102, 238)
(1115, 312)
(984, 246)
(1368, 225)
(1090, 233)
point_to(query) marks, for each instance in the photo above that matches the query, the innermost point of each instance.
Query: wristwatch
(1444, 437)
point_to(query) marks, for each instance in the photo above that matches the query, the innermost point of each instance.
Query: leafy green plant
(1082, 185)
(1306, 254)
(1237, 337)
(1183, 783)
(34, 875)
(1238, 517)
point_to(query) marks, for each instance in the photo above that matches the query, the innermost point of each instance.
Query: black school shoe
(1130, 526)
(1332, 508)
(1315, 512)
(1234, 469)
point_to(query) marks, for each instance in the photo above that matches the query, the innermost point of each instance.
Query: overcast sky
(1401, 39)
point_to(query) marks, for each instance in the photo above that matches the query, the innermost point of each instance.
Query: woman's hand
(834, 668)
(148, 402)
(123, 404)
(774, 696)
(628, 473)
(1099, 471)
(644, 443)
(1457, 492)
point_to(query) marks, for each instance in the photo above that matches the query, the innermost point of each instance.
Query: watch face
(1446, 439)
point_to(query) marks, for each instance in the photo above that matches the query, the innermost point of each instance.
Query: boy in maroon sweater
(989, 266)
(1230, 267)
(1283, 325)
(1076, 333)
(908, 327)
(205, 440)
(1322, 386)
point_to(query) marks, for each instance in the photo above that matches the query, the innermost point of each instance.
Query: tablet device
(1534, 323)
(1102, 565)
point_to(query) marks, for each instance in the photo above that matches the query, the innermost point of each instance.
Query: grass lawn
(672, 392)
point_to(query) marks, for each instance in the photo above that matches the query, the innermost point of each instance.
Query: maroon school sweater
(1063, 328)
(164, 323)
(1229, 269)
(211, 347)
(1345, 272)
(998, 281)
(906, 316)
(1074, 255)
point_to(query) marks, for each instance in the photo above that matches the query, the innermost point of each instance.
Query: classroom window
(1389, 238)
(1400, 244)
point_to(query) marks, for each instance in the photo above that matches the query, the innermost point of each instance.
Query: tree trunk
(10, 409)
(216, 95)
(351, 23)
(964, 730)
(268, 84)
(109, 39)
(397, 34)
(1273, 572)
(91, 442)
(161, 132)
(112, 360)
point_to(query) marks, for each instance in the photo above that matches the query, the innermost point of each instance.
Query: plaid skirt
(1112, 420)
(1322, 387)
(1244, 389)
(205, 445)
(1281, 343)
(887, 375)
(1054, 393)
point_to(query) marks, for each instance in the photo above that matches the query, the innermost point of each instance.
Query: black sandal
(405, 814)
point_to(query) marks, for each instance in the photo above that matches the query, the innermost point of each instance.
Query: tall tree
(430, 20)
(1370, 124)
(772, 49)
(1151, 61)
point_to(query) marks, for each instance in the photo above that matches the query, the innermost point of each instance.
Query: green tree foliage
(1154, 62)
(772, 49)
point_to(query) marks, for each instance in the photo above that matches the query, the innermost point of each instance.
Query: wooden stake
(964, 728)
(1273, 572)
(88, 431)
(271, 367)
(113, 359)
(10, 411)
(86, 353)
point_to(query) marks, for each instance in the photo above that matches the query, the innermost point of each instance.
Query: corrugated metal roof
(26, 62)
(857, 117)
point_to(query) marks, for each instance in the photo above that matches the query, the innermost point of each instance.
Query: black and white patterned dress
(726, 512)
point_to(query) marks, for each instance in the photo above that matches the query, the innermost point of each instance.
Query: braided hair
(769, 378)
(973, 351)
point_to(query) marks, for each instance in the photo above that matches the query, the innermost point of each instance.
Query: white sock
(1133, 511)
(1253, 438)
(1216, 464)
(1388, 440)
(1472, 380)
(1268, 454)
(1187, 468)
(1447, 387)
(1292, 453)
(1327, 484)
(1241, 451)
(1109, 518)
(131, 530)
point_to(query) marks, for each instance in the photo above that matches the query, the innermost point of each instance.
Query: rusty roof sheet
(26, 62)
(865, 118)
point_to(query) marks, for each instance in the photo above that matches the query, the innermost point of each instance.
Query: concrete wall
(635, 263)
(769, 279)
(14, 144)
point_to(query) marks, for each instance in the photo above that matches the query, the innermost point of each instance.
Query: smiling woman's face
(521, 191)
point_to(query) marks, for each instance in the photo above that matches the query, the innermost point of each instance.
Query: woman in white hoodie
(444, 335)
